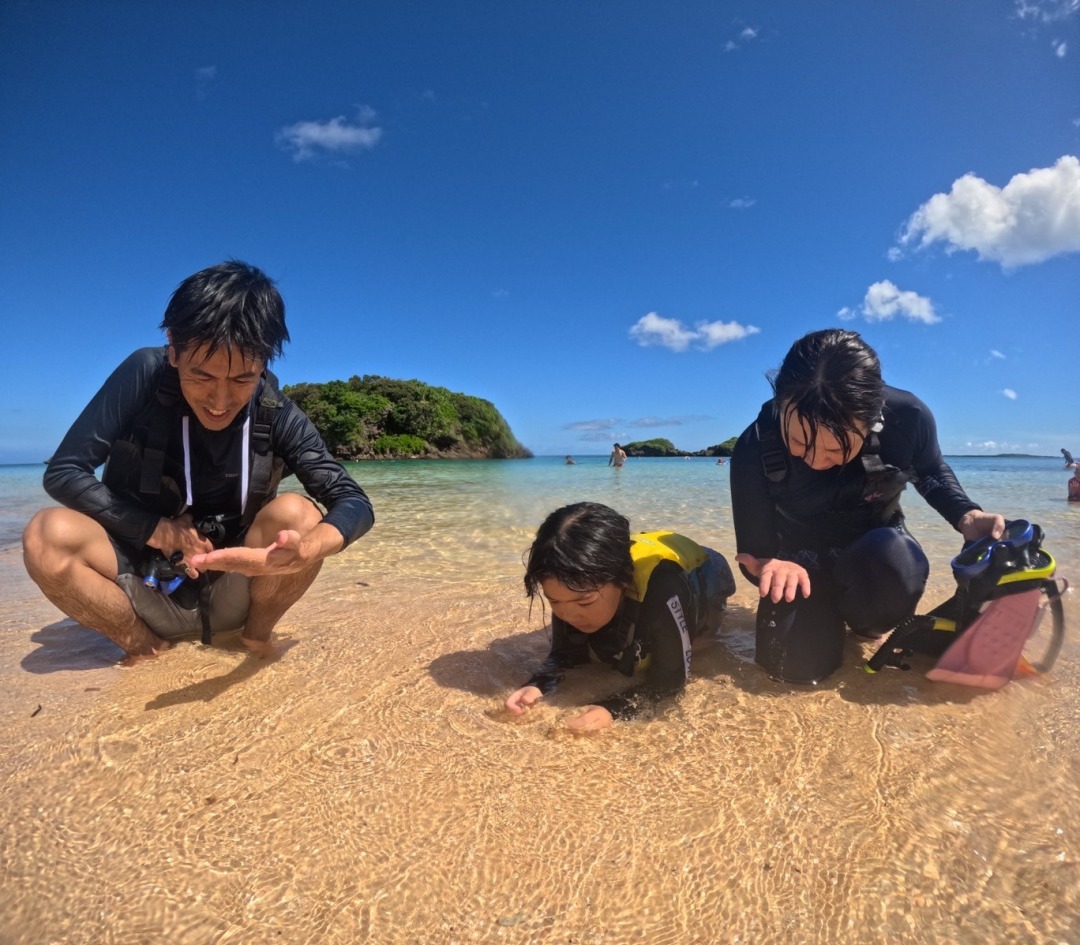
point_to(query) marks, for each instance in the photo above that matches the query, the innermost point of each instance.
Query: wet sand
(366, 788)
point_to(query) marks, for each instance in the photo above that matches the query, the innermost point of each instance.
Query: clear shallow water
(366, 788)
(464, 520)
(469, 514)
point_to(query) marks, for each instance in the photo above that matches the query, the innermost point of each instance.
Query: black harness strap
(157, 440)
(204, 609)
(631, 651)
(262, 459)
(775, 457)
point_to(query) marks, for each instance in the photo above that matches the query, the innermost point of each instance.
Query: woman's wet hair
(830, 379)
(582, 546)
(233, 306)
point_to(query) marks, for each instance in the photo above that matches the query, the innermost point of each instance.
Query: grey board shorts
(178, 616)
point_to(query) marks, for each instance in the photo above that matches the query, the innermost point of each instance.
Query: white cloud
(681, 185)
(653, 329)
(311, 139)
(1048, 11)
(746, 35)
(885, 301)
(742, 203)
(593, 424)
(1032, 218)
(714, 334)
(1009, 392)
(1060, 49)
(666, 421)
(994, 353)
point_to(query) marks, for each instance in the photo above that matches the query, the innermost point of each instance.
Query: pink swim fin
(988, 653)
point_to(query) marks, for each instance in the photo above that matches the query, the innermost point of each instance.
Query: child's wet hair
(582, 546)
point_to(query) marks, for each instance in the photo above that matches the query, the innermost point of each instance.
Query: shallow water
(366, 788)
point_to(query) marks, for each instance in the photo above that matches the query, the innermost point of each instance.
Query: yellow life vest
(648, 549)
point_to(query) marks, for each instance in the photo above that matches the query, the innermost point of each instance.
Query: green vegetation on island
(663, 447)
(373, 417)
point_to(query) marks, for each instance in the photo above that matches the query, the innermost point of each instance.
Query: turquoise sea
(458, 518)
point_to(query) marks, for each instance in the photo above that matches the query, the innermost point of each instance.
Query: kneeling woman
(634, 602)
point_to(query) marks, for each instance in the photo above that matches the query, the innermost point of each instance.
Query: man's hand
(777, 578)
(287, 554)
(977, 524)
(179, 534)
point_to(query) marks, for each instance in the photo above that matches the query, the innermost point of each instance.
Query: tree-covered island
(663, 447)
(373, 417)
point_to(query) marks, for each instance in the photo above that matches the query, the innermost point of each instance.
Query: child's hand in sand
(522, 699)
(593, 719)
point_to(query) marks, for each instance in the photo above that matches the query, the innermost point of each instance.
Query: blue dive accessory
(977, 557)
(162, 573)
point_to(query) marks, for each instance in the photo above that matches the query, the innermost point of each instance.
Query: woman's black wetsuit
(845, 526)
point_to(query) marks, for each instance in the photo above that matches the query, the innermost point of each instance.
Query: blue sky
(608, 218)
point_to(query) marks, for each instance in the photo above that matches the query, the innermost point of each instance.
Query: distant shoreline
(602, 455)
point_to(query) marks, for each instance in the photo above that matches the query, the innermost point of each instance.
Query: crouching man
(184, 534)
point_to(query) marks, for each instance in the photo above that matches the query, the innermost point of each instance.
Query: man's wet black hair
(831, 379)
(232, 306)
(582, 546)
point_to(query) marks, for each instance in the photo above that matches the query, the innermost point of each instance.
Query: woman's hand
(522, 699)
(777, 578)
(977, 524)
(593, 719)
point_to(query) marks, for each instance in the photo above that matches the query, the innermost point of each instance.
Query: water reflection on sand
(366, 788)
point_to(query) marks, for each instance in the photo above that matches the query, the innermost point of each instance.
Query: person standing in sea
(185, 534)
(815, 489)
(617, 457)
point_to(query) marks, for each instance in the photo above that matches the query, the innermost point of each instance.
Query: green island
(374, 417)
(663, 447)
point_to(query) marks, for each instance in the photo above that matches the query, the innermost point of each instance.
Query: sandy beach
(366, 788)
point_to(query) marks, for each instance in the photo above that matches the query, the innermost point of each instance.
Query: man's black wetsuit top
(815, 509)
(215, 458)
(664, 623)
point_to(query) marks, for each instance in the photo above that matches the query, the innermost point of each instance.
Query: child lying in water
(635, 602)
